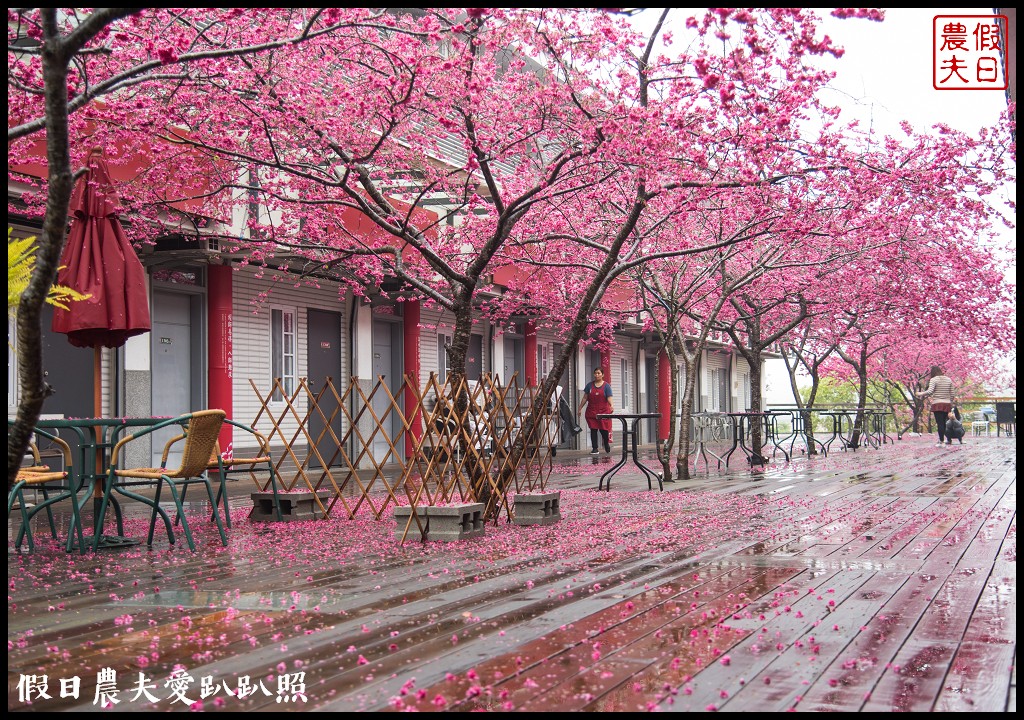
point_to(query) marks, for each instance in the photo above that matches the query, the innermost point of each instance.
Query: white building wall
(741, 383)
(434, 322)
(714, 360)
(582, 376)
(622, 388)
(546, 339)
(251, 344)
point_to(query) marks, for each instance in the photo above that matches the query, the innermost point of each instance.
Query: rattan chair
(46, 480)
(201, 433)
(227, 465)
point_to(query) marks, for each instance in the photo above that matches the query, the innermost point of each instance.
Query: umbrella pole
(97, 402)
(97, 406)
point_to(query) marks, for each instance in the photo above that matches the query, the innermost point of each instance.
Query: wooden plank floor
(882, 580)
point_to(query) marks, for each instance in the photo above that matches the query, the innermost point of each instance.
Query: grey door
(323, 351)
(475, 357)
(172, 366)
(514, 362)
(387, 361)
(68, 370)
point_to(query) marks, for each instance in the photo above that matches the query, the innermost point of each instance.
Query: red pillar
(664, 395)
(411, 353)
(530, 349)
(219, 359)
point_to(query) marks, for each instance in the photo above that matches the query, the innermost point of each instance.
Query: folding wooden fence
(420, 446)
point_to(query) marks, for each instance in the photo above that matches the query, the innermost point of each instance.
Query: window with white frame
(542, 362)
(746, 390)
(443, 343)
(624, 370)
(715, 395)
(282, 351)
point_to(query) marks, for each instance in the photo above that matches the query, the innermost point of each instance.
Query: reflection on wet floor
(878, 581)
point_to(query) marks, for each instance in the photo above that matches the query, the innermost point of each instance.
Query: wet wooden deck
(878, 581)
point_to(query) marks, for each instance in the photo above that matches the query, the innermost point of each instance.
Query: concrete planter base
(539, 509)
(294, 505)
(402, 513)
(444, 524)
(458, 522)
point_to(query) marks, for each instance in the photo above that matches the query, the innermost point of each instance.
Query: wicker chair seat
(39, 475)
(147, 473)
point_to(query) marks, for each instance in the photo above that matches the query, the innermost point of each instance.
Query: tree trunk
(595, 291)
(475, 466)
(916, 406)
(33, 390)
(756, 403)
(862, 400)
(812, 396)
(686, 414)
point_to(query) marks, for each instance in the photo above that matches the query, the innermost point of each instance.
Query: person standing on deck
(940, 389)
(597, 399)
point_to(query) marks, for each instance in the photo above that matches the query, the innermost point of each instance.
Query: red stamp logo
(969, 52)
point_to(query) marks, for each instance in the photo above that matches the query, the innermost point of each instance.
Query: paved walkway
(880, 580)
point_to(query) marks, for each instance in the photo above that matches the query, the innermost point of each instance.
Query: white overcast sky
(885, 77)
(887, 65)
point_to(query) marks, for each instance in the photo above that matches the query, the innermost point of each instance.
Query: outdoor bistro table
(96, 437)
(708, 427)
(802, 425)
(629, 439)
(771, 431)
(741, 426)
(837, 428)
(874, 427)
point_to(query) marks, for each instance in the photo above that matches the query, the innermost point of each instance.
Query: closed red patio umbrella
(99, 261)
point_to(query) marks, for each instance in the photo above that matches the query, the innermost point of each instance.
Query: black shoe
(594, 451)
(607, 448)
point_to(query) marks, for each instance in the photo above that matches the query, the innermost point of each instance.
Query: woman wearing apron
(597, 397)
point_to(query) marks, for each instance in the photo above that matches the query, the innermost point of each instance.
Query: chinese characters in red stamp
(969, 52)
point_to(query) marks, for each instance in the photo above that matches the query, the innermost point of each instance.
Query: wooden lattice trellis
(469, 450)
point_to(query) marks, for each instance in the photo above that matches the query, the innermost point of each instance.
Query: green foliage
(832, 393)
(21, 258)
(881, 392)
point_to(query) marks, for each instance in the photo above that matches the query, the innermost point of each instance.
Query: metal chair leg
(216, 514)
(181, 513)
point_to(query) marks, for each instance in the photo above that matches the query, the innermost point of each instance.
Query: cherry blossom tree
(60, 63)
(558, 138)
(901, 322)
(404, 109)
